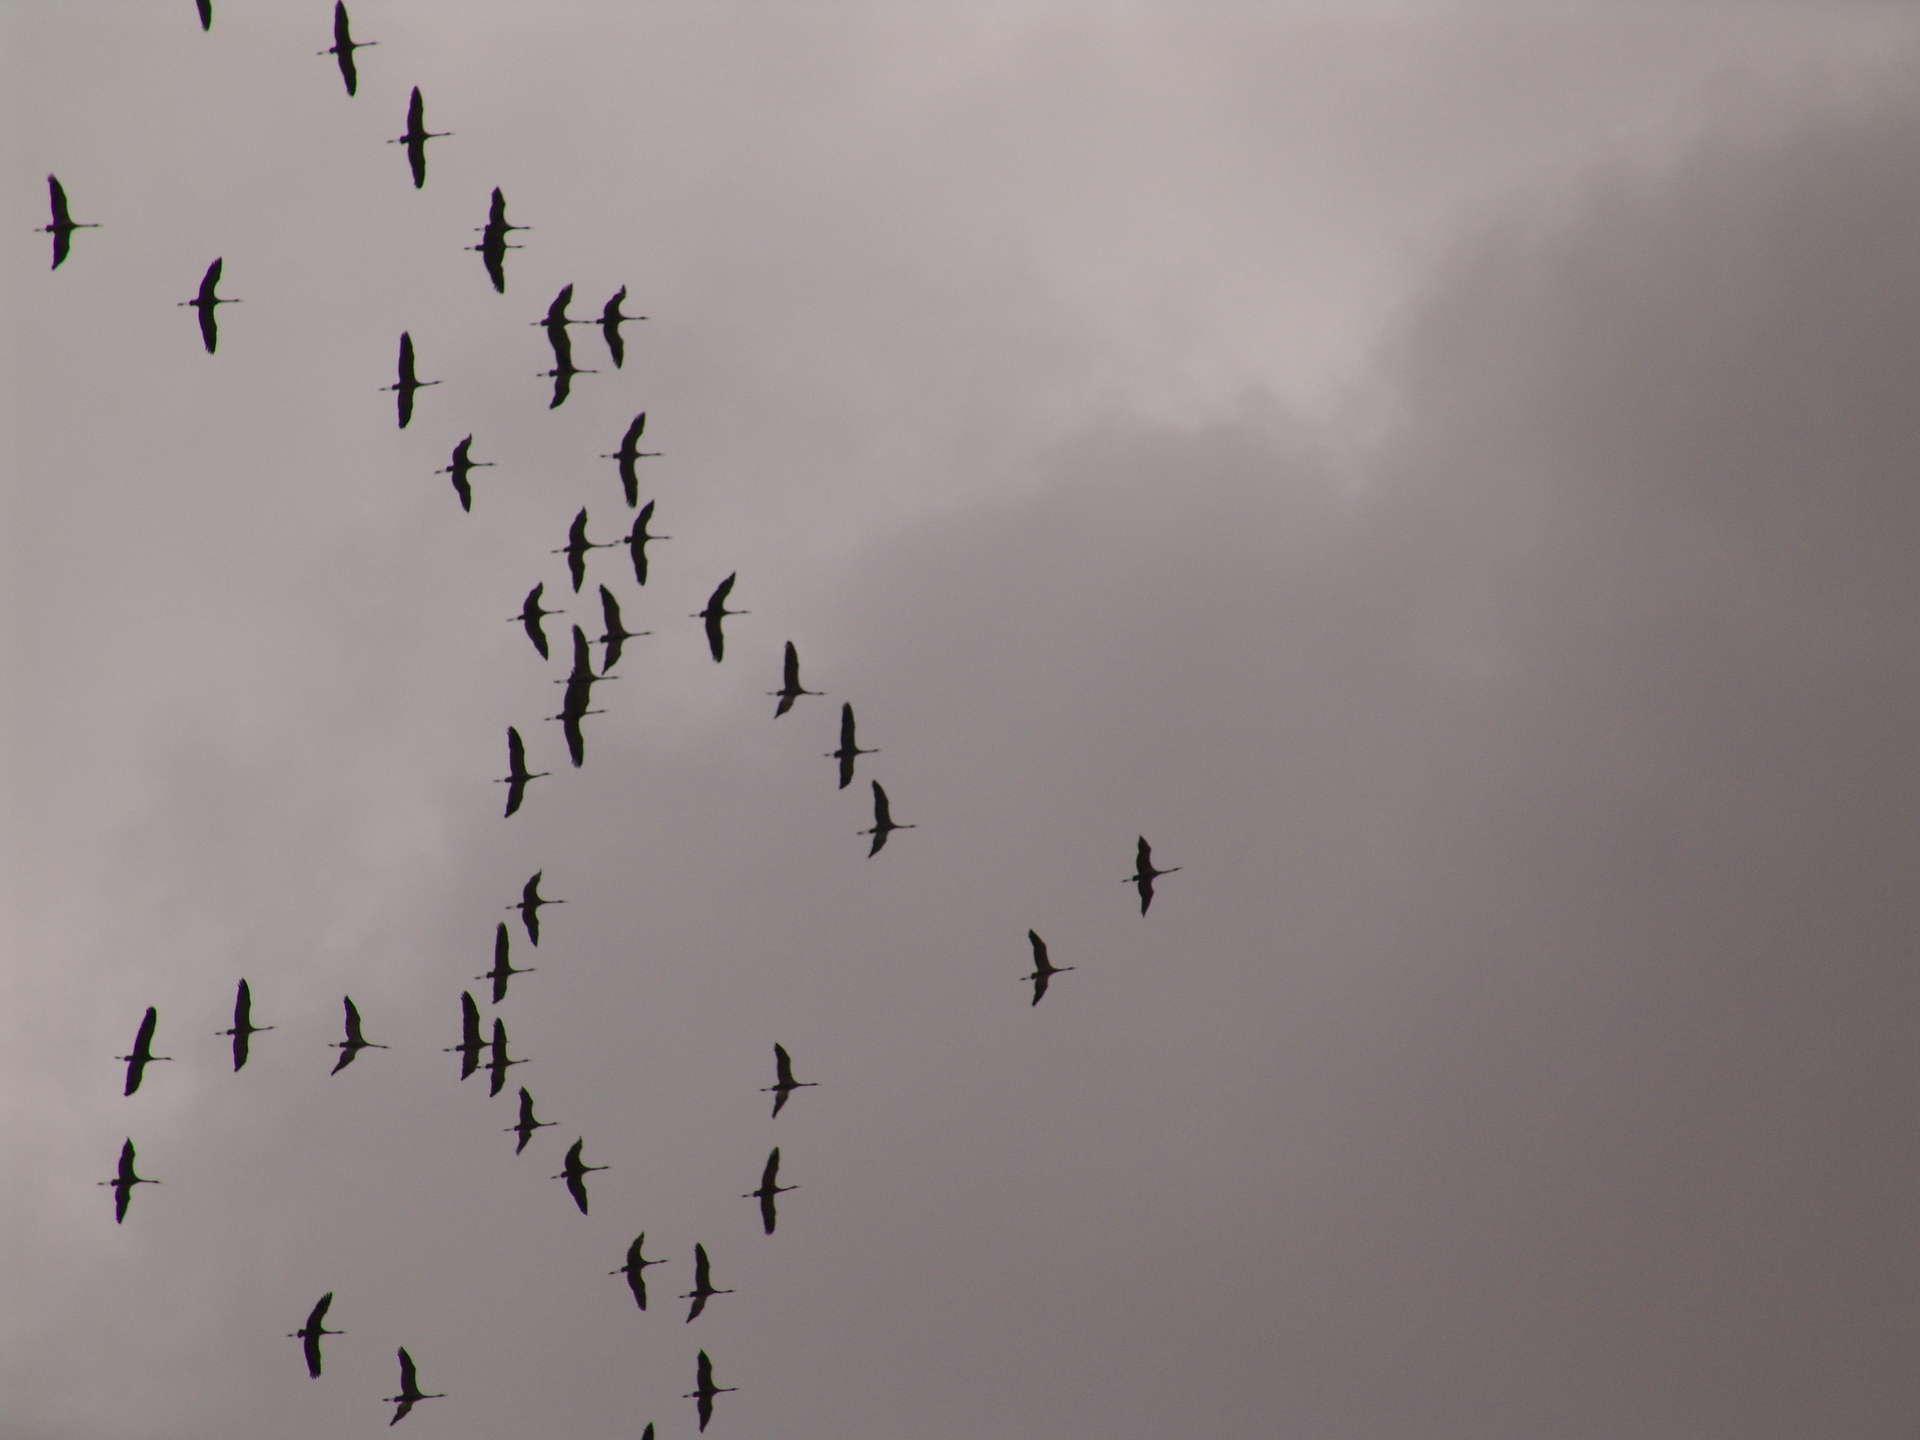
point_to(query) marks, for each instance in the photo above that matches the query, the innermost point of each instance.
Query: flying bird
(498, 1060)
(309, 1334)
(562, 375)
(530, 617)
(123, 1182)
(637, 539)
(769, 1187)
(493, 244)
(702, 1285)
(704, 1389)
(243, 1027)
(503, 968)
(610, 322)
(1043, 969)
(404, 387)
(629, 455)
(883, 821)
(715, 612)
(783, 1082)
(1144, 874)
(617, 634)
(410, 1391)
(555, 321)
(635, 1271)
(577, 547)
(517, 776)
(849, 749)
(462, 465)
(205, 302)
(343, 47)
(575, 1173)
(64, 224)
(355, 1041)
(790, 687)
(142, 1054)
(416, 138)
(470, 1044)
(571, 714)
(526, 1125)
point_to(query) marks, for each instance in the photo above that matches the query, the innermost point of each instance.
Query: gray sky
(1443, 472)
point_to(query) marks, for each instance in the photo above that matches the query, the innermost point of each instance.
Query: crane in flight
(562, 375)
(704, 1389)
(503, 968)
(575, 1173)
(142, 1054)
(63, 224)
(883, 821)
(526, 1124)
(355, 1041)
(309, 1334)
(530, 617)
(493, 244)
(410, 1392)
(790, 687)
(406, 384)
(123, 1182)
(610, 322)
(498, 1061)
(460, 467)
(617, 634)
(343, 47)
(629, 455)
(416, 138)
(555, 321)
(205, 302)
(243, 1029)
(577, 547)
(637, 539)
(702, 1285)
(849, 749)
(783, 1082)
(635, 1271)
(1144, 874)
(471, 1044)
(769, 1188)
(1043, 969)
(715, 612)
(518, 776)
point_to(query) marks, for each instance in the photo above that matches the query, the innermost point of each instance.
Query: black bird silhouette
(715, 612)
(610, 322)
(555, 322)
(562, 375)
(123, 1182)
(637, 539)
(1144, 874)
(205, 302)
(790, 687)
(849, 749)
(499, 1061)
(883, 821)
(572, 713)
(503, 968)
(355, 1041)
(309, 1334)
(530, 617)
(64, 224)
(410, 1391)
(142, 1054)
(470, 1044)
(629, 455)
(529, 906)
(404, 387)
(205, 7)
(416, 138)
(617, 634)
(577, 547)
(704, 1389)
(243, 1027)
(1043, 969)
(783, 1082)
(517, 776)
(575, 1174)
(526, 1124)
(635, 1271)
(702, 1285)
(493, 244)
(462, 465)
(497, 214)
(343, 47)
(769, 1187)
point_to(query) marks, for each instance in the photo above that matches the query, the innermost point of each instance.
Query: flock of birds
(480, 1047)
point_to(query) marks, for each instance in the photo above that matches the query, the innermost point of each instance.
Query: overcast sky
(1443, 472)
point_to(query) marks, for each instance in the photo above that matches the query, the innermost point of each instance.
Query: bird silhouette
(343, 47)
(410, 1392)
(517, 776)
(142, 1054)
(577, 547)
(704, 1389)
(849, 749)
(530, 617)
(783, 1082)
(503, 968)
(498, 1060)
(1043, 969)
(555, 321)
(769, 1187)
(1144, 874)
(575, 1173)
(205, 301)
(562, 375)
(637, 539)
(64, 224)
(123, 1182)
(635, 1271)
(355, 1041)
(617, 634)
(883, 821)
(790, 687)
(526, 1124)
(629, 455)
(309, 1334)
(610, 322)
(243, 1027)
(493, 244)
(462, 465)
(205, 7)
(416, 138)
(471, 1043)
(702, 1285)
(572, 713)
(406, 384)
(715, 612)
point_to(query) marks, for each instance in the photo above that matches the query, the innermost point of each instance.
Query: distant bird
(783, 1082)
(498, 1061)
(572, 713)
(610, 322)
(416, 138)
(702, 1285)
(704, 1389)
(715, 612)
(205, 7)
(142, 1054)
(470, 1044)
(64, 224)
(555, 321)
(577, 547)
(883, 821)
(243, 1027)
(503, 968)
(562, 375)
(1043, 969)
(404, 387)
(410, 1391)
(769, 1187)
(637, 539)
(530, 617)
(790, 688)
(493, 244)
(123, 1182)
(635, 1271)
(460, 467)
(1144, 873)
(526, 1125)
(497, 214)
(309, 1334)
(617, 634)
(343, 47)
(205, 302)
(629, 455)
(529, 906)
(575, 1174)
(355, 1041)
(517, 776)
(848, 750)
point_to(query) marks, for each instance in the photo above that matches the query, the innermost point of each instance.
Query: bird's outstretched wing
(205, 7)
